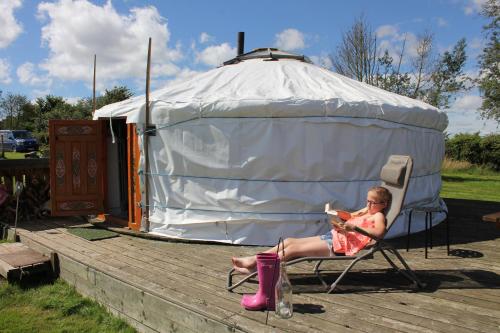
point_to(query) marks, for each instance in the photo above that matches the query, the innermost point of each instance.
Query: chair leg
(447, 233)
(425, 235)
(230, 286)
(408, 234)
(348, 268)
(409, 273)
(430, 230)
(389, 260)
(318, 274)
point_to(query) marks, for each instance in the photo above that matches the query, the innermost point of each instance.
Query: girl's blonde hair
(384, 195)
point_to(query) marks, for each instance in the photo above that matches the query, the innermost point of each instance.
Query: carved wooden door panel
(77, 167)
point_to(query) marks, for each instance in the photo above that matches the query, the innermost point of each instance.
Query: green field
(53, 308)
(12, 155)
(472, 184)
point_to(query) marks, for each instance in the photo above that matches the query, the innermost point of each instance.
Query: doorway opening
(117, 205)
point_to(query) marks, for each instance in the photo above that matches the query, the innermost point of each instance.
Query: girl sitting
(341, 240)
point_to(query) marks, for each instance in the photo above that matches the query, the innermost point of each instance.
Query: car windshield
(22, 134)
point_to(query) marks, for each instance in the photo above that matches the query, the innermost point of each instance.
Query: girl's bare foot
(244, 265)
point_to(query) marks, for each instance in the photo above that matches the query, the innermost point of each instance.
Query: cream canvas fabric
(250, 152)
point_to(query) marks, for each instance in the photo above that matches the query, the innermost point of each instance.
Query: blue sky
(47, 47)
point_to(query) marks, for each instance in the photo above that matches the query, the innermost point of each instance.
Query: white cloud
(387, 31)
(76, 30)
(441, 22)
(35, 93)
(467, 103)
(215, 55)
(206, 38)
(72, 100)
(322, 60)
(464, 118)
(391, 39)
(473, 6)
(290, 39)
(26, 75)
(10, 27)
(5, 71)
(476, 43)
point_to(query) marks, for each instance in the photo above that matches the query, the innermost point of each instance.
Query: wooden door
(77, 167)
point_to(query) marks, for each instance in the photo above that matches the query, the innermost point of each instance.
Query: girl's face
(374, 203)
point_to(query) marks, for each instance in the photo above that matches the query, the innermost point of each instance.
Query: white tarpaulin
(250, 152)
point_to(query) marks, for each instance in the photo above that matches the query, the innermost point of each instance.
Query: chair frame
(380, 246)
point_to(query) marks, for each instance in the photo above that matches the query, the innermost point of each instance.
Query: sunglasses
(371, 202)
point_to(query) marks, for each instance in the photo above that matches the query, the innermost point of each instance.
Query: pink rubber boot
(268, 272)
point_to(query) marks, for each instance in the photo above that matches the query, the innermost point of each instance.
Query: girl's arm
(377, 228)
(360, 212)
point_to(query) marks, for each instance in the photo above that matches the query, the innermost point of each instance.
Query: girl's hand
(348, 226)
(336, 223)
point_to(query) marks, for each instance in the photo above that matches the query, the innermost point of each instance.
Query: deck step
(18, 260)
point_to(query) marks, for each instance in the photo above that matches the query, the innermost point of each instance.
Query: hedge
(475, 149)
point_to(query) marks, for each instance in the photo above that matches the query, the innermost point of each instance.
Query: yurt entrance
(116, 180)
(93, 170)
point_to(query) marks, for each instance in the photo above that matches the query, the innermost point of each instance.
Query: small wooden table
(494, 217)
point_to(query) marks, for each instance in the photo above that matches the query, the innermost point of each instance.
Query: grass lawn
(471, 184)
(51, 308)
(12, 155)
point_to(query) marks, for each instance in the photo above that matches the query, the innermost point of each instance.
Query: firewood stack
(35, 196)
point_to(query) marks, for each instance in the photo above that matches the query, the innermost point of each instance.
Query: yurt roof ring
(267, 54)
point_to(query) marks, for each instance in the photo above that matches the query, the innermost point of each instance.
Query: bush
(475, 149)
(490, 151)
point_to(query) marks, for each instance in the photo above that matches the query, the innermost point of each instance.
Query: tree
(422, 62)
(117, 94)
(424, 76)
(389, 76)
(448, 78)
(356, 55)
(489, 63)
(43, 106)
(11, 106)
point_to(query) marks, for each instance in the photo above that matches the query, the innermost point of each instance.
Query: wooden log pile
(33, 199)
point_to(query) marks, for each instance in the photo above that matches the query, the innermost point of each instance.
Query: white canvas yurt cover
(251, 151)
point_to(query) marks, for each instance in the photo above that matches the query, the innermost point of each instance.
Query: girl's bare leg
(294, 248)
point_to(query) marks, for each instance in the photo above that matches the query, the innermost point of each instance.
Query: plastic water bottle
(284, 305)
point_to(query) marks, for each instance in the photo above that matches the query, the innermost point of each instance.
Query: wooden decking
(180, 287)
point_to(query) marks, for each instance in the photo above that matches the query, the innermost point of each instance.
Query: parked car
(18, 140)
(7, 141)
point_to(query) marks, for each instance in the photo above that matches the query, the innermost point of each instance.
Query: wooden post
(93, 88)
(145, 225)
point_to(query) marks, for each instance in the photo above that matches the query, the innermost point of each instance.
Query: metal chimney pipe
(241, 43)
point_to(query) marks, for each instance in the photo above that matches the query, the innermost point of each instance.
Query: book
(342, 214)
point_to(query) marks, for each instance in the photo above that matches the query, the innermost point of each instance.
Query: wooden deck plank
(187, 298)
(164, 277)
(463, 294)
(347, 319)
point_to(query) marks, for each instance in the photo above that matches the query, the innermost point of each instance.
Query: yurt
(251, 151)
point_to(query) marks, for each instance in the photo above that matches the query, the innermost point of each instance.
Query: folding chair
(395, 176)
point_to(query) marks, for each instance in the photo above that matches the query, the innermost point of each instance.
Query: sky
(47, 47)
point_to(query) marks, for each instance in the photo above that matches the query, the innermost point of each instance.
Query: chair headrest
(393, 172)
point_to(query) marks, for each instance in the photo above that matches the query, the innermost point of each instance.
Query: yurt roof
(272, 83)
